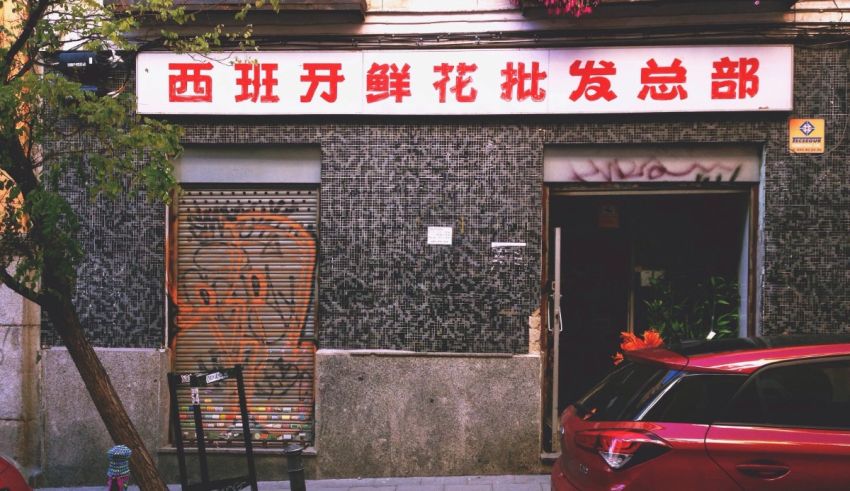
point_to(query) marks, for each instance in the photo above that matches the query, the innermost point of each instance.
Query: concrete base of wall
(19, 335)
(12, 438)
(379, 414)
(384, 413)
(13, 414)
(404, 414)
(75, 439)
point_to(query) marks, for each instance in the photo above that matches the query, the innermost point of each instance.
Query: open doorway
(638, 237)
(678, 260)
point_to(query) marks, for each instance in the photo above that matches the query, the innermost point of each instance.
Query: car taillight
(621, 448)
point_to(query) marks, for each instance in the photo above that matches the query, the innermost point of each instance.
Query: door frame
(566, 189)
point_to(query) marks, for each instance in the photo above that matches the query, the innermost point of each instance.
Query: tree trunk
(64, 317)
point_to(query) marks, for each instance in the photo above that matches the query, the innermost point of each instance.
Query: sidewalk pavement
(455, 483)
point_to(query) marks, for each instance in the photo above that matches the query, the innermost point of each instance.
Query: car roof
(743, 355)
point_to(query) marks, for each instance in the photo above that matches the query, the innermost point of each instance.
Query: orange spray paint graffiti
(244, 295)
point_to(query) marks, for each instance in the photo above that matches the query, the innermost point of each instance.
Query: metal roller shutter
(246, 263)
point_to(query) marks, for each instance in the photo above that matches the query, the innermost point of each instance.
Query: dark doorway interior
(611, 248)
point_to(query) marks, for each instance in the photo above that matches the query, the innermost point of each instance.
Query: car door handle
(763, 471)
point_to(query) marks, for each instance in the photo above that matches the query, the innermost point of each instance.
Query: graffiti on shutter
(246, 263)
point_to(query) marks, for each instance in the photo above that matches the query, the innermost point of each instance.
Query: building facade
(387, 275)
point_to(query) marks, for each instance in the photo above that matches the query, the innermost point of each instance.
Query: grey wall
(19, 330)
(75, 439)
(468, 415)
(383, 415)
(384, 180)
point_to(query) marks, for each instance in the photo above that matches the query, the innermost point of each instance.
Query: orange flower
(631, 342)
(652, 338)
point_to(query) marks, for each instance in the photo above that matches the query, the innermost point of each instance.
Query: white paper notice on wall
(507, 253)
(439, 236)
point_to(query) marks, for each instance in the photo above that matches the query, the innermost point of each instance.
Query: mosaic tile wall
(385, 181)
(807, 208)
(119, 289)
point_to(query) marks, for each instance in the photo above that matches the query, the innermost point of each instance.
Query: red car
(11, 477)
(750, 414)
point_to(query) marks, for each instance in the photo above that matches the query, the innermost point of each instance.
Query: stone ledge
(308, 452)
(403, 353)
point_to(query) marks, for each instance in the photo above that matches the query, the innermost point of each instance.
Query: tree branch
(21, 289)
(33, 18)
(23, 69)
(21, 170)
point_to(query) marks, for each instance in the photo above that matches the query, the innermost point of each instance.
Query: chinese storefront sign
(519, 81)
(806, 135)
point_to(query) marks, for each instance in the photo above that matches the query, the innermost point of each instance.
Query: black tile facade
(384, 181)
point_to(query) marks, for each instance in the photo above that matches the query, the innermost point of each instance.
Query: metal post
(246, 427)
(556, 344)
(199, 431)
(173, 380)
(295, 467)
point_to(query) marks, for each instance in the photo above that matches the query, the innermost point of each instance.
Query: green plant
(681, 307)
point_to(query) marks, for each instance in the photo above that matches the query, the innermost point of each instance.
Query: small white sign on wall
(439, 236)
(507, 253)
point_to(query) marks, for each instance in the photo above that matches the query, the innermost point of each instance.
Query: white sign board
(439, 236)
(469, 81)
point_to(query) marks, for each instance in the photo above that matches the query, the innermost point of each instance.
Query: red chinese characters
(251, 80)
(735, 79)
(462, 82)
(190, 84)
(384, 81)
(594, 83)
(526, 83)
(663, 83)
(322, 73)
(540, 81)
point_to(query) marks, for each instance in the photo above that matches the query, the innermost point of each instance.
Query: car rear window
(622, 394)
(695, 398)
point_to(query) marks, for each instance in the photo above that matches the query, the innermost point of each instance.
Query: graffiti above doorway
(652, 163)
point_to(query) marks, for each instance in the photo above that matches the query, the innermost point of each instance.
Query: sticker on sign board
(439, 236)
(215, 377)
